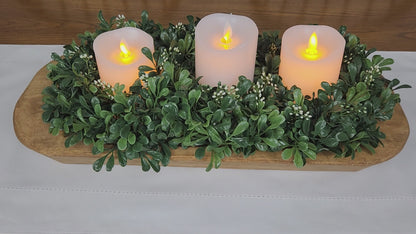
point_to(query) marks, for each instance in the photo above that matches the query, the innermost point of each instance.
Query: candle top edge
(221, 19)
(124, 34)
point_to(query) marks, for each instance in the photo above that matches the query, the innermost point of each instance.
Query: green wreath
(170, 109)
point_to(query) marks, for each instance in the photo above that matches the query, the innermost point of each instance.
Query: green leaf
(130, 118)
(352, 69)
(276, 119)
(125, 131)
(165, 123)
(93, 88)
(117, 108)
(92, 120)
(147, 120)
(243, 85)
(200, 152)
(386, 62)
(78, 126)
(369, 147)
(227, 151)
(326, 86)
(302, 146)
(261, 146)
(330, 142)
(262, 122)
(155, 165)
(321, 128)
(166, 154)
(211, 164)
(121, 98)
(145, 164)
(145, 68)
(156, 155)
(287, 153)
(272, 142)
(63, 101)
(99, 145)
(217, 159)
(143, 140)
(352, 41)
(170, 111)
(169, 69)
(214, 136)
(184, 81)
(303, 138)
(165, 37)
(184, 74)
(298, 97)
(194, 96)
(188, 40)
(360, 97)
(164, 92)
(131, 138)
(151, 84)
(103, 23)
(87, 141)
(218, 115)
(122, 143)
(74, 139)
(110, 163)
(361, 135)
(350, 94)
(310, 154)
(340, 136)
(306, 124)
(122, 158)
(46, 116)
(240, 128)
(146, 51)
(95, 101)
(376, 59)
(298, 160)
(97, 109)
(361, 86)
(138, 147)
(405, 86)
(98, 164)
(276, 122)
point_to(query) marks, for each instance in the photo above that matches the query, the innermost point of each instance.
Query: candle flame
(124, 51)
(125, 56)
(226, 39)
(311, 52)
(313, 44)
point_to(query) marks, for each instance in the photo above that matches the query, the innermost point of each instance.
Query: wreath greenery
(166, 108)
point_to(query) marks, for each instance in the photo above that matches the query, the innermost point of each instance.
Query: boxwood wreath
(166, 108)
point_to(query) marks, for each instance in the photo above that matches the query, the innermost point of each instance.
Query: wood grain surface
(34, 134)
(384, 25)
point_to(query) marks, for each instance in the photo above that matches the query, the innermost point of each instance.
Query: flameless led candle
(310, 54)
(118, 54)
(225, 48)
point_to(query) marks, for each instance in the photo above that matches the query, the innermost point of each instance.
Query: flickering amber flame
(226, 39)
(124, 51)
(126, 56)
(311, 53)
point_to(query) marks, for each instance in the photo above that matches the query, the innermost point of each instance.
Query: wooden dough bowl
(33, 133)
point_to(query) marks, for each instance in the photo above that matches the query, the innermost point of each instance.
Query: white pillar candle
(308, 60)
(225, 48)
(118, 54)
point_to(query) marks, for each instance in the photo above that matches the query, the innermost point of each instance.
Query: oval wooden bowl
(34, 134)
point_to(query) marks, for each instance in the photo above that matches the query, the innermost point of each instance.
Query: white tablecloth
(40, 195)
